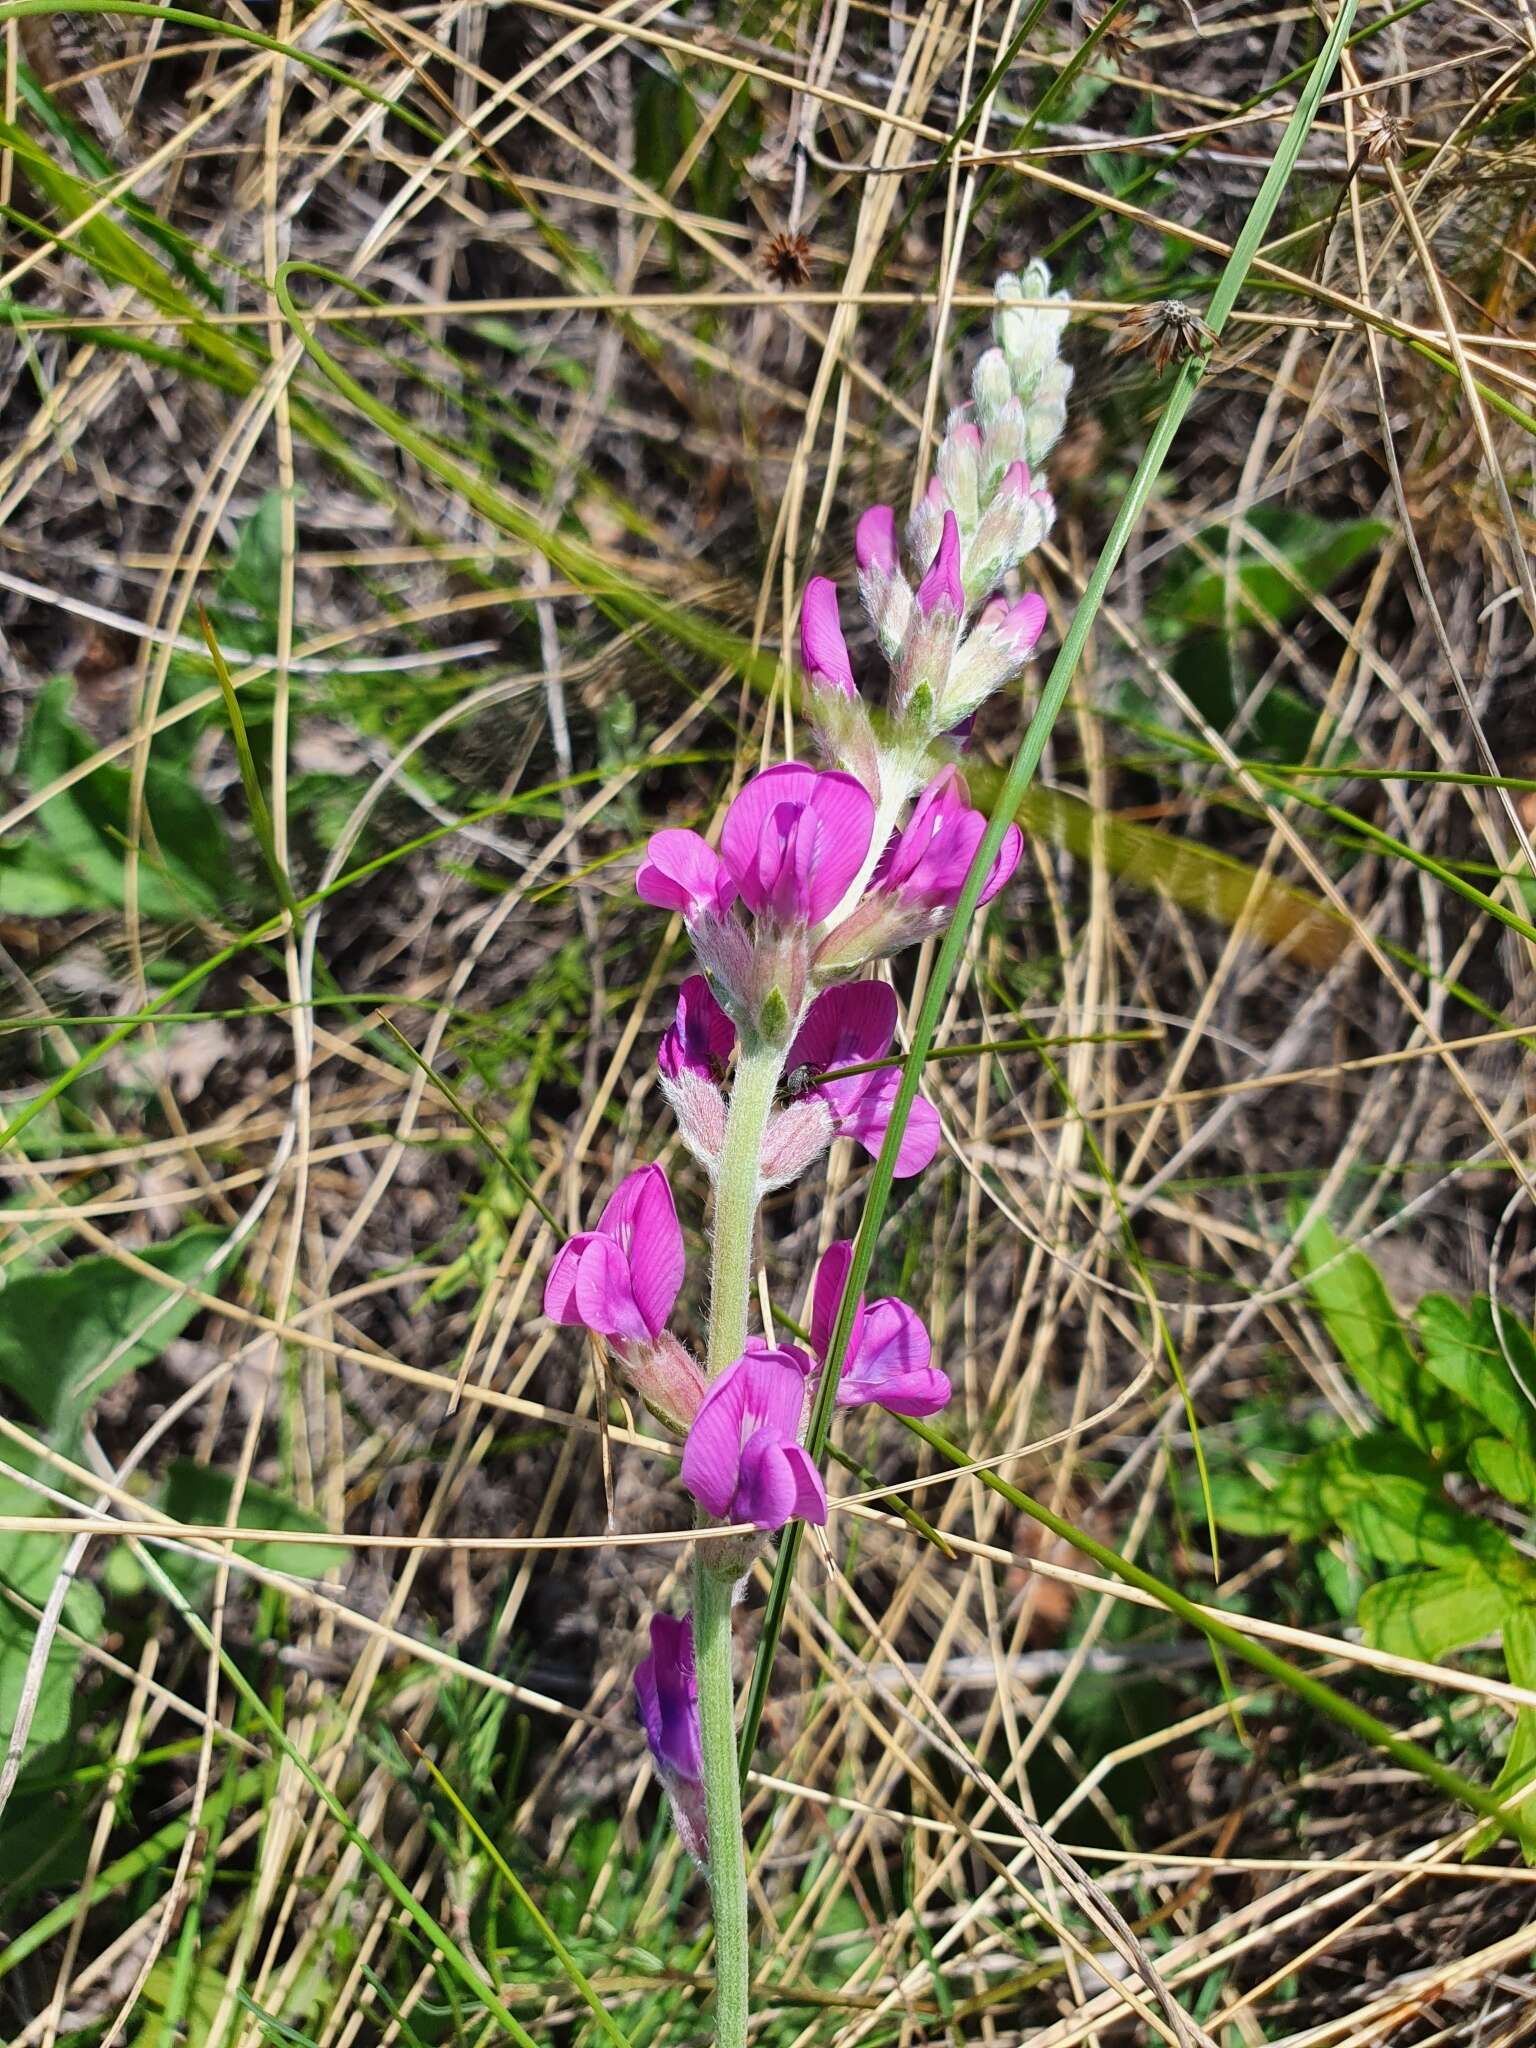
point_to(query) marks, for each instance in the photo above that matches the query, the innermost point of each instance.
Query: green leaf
(254, 577)
(62, 1331)
(1373, 1343)
(200, 1493)
(186, 866)
(1387, 1498)
(1316, 551)
(1508, 1470)
(1519, 1766)
(28, 1566)
(1429, 1614)
(1483, 1363)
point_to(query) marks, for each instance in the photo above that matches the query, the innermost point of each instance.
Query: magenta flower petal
(737, 1462)
(699, 1041)
(1001, 870)
(874, 540)
(560, 1287)
(605, 1293)
(680, 872)
(861, 1108)
(891, 1364)
(765, 1484)
(831, 1277)
(809, 1501)
(942, 583)
(622, 1279)
(667, 1689)
(641, 1218)
(1024, 622)
(846, 1025)
(823, 650)
(793, 840)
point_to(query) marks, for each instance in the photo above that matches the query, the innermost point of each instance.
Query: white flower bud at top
(1046, 414)
(991, 386)
(1029, 335)
(959, 470)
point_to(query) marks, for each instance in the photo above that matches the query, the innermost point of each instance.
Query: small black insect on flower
(1170, 331)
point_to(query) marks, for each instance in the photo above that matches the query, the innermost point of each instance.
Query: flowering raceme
(777, 1050)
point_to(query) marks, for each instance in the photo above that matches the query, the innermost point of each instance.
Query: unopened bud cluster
(942, 618)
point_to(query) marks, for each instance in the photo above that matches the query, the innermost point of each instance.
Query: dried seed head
(1382, 136)
(1170, 331)
(787, 259)
(1116, 31)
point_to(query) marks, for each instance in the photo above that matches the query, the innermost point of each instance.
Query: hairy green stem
(736, 1190)
(716, 1569)
(712, 1592)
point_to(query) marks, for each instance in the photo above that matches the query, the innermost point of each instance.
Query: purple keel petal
(823, 650)
(765, 1486)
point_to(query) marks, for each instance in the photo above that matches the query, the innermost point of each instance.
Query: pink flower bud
(823, 650)
(941, 585)
(874, 541)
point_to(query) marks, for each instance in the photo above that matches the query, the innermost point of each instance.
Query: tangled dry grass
(528, 250)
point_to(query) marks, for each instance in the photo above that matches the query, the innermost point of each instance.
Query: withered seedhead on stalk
(786, 259)
(1116, 32)
(1382, 137)
(1169, 331)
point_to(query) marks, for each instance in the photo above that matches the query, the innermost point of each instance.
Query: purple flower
(700, 1040)
(680, 872)
(926, 864)
(845, 1027)
(823, 650)
(874, 541)
(941, 585)
(887, 1361)
(743, 1461)
(667, 1692)
(793, 840)
(622, 1279)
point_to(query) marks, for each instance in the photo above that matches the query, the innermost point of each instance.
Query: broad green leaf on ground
(200, 1493)
(1374, 1345)
(1429, 1614)
(1483, 1363)
(64, 1331)
(1388, 1500)
(186, 866)
(1316, 553)
(1507, 1469)
(28, 1567)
